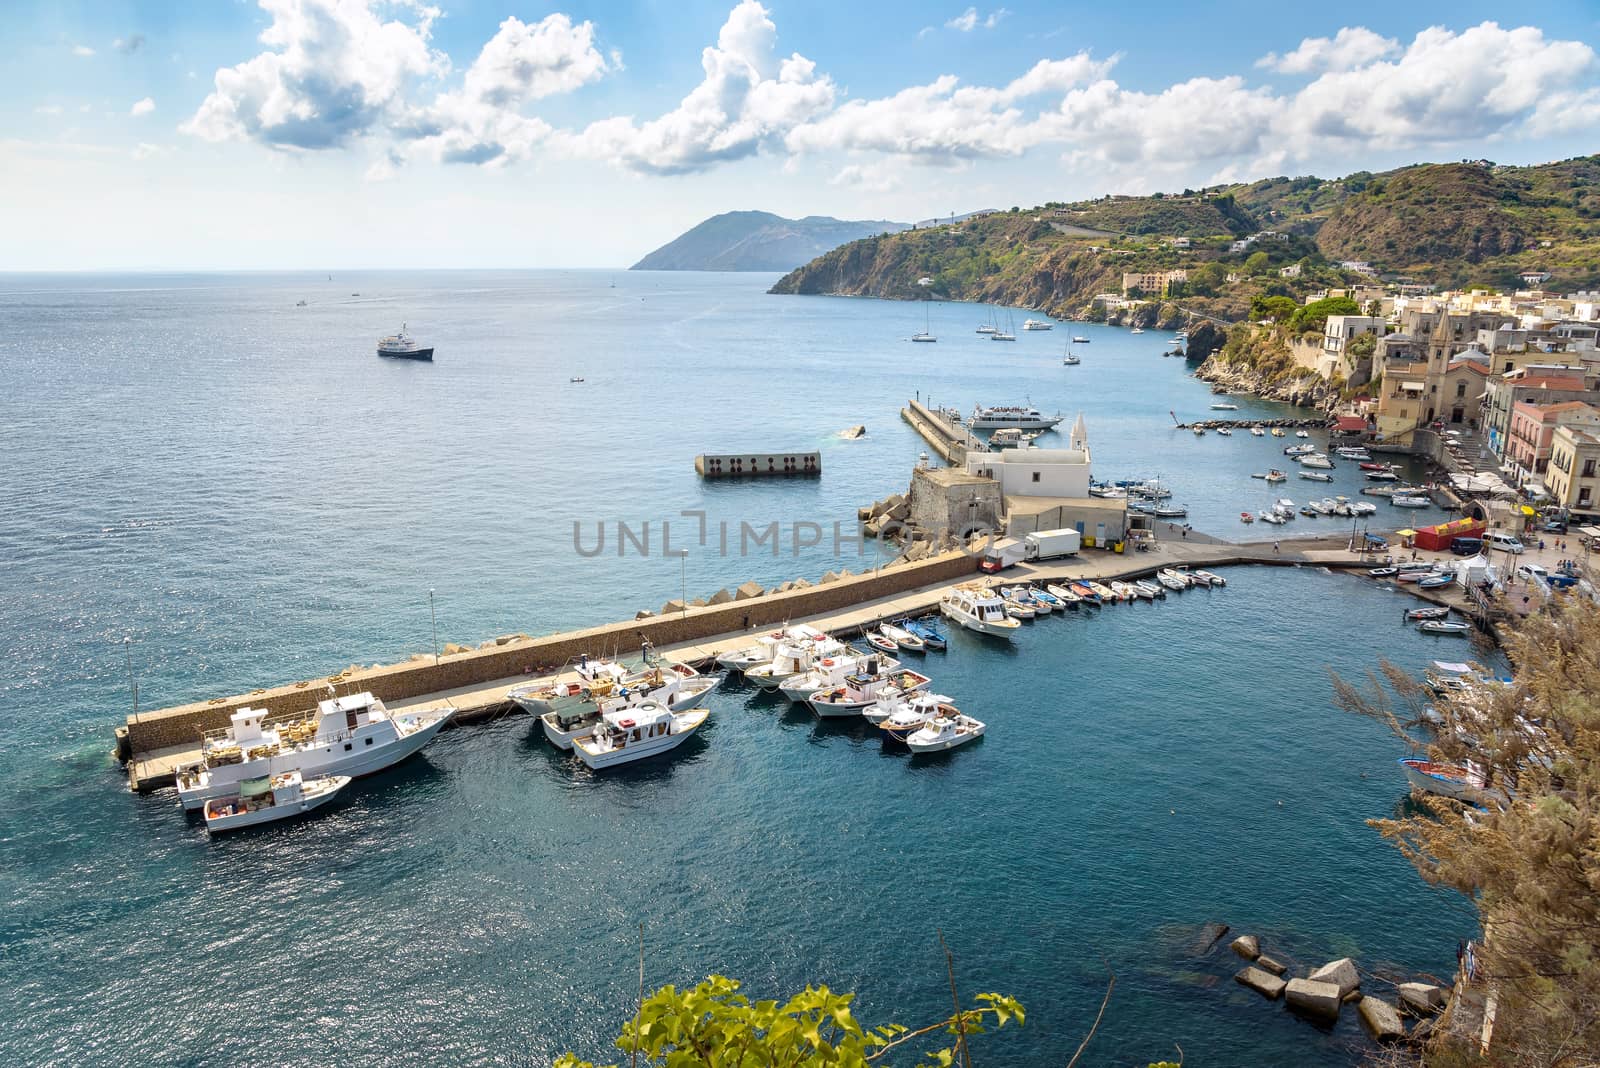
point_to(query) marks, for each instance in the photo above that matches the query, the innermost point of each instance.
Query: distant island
(1219, 250)
(759, 241)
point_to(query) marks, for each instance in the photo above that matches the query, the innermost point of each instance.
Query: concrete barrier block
(749, 590)
(1266, 984)
(1341, 973)
(1314, 999)
(1247, 946)
(1381, 1019)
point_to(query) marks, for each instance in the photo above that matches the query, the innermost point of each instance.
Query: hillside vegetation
(1451, 224)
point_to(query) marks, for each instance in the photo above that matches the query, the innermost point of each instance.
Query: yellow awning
(1528, 511)
(1406, 533)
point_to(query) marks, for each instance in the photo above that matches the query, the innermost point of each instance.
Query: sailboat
(927, 329)
(1005, 335)
(1071, 358)
(989, 327)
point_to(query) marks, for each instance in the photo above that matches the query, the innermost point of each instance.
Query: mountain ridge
(758, 241)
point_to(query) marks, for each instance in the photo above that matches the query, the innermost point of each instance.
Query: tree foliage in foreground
(715, 1025)
(1530, 860)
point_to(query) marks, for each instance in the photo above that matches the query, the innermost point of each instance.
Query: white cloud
(1351, 47)
(870, 177)
(748, 99)
(144, 150)
(142, 107)
(482, 122)
(82, 50)
(943, 121)
(970, 20)
(333, 71)
(129, 44)
(382, 169)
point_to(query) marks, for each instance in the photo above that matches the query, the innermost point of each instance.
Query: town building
(1532, 432)
(1151, 283)
(1573, 478)
(1536, 385)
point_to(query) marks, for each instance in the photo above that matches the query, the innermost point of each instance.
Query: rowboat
(1440, 626)
(1068, 597)
(1463, 782)
(904, 639)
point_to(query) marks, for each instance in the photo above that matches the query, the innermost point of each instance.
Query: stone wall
(182, 724)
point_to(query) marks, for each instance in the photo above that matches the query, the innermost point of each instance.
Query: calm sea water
(239, 486)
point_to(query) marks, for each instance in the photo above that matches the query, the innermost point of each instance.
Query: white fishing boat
(353, 735)
(1257, 432)
(1445, 626)
(1069, 598)
(1224, 406)
(898, 720)
(1012, 415)
(1021, 603)
(902, 638)
(794, 657)
(1464, 782)
(1316, 461)
(1301, 434)
(1299, 450)
(945, 732)
(1104, 592)
(600, 680)
(879, 642)
(1037, 324)
(1269, 516)
(1353, 452)
(1211, 577)
(568, 720)
(631, 734)
(979, 609)
(765, 647)
(861, 689)
(1363, 508)
(831, 672)
(1124, 591)
(1149, 590)
(1316, 476)
(272, 797)
(1381, 476)
(1403, 501)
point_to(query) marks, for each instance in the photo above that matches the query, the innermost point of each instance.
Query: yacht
(402, 346)
(945, 732)
(1012, 415)
(1316, 461)
(862, 689)
(923, 336)
(630, 734)
(273, 797)
(353, 735)
(926, 333)
(1037, 324)
(979, 609)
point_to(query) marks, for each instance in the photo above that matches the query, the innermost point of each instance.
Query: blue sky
(342, 133)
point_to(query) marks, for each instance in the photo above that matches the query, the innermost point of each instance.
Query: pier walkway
(156, 768)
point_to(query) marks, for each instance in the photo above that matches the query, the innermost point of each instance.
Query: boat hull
(425, 355)
(600, 759)
(330, 759)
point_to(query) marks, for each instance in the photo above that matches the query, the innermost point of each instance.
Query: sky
(289, 134)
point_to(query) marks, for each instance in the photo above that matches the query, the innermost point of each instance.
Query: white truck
(1044, 545)
(1049, 544)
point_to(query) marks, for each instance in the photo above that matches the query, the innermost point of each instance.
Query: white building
(1036, 472)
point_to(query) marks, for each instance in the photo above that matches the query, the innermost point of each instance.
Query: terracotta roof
(1472, 365)
(1351, 422)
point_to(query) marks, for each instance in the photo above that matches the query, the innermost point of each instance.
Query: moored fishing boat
(1212, 577)
(1148, 590)
(1021, 603)
(1068, 597)
(1124, 591)
(794, 657)
(945, 732)
(928, 631)
(1464, 782)
(1049, 601)
(353, 735)
(1172, 580)
(1445, 627)
(630, 734)
(977, 608)
(273, 797)
(832, 671)
(902, 638)
(864, 688)
(898, 720)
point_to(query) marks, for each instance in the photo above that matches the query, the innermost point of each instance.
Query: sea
(209, 486)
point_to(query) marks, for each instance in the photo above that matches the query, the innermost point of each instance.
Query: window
(1036, 476)
(347, 747)
(1588, 470)
(369, 741)
(1461, 389)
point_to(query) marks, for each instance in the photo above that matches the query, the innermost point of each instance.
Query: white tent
(1476, 570)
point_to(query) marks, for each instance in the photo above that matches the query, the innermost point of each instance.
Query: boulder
(749, 590)
(1266, 984)
(644, 613)
(918, 551)
(1247, 946)
(722, 596)
(873, 527)
(1314, 999)
(891, 502)
(1271, 964)
(900, 512)
(1381, 1019)
(1421, 999)
(1341, 973)
(1207, 938)
(864, 513)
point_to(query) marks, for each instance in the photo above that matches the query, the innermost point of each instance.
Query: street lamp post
(434, 618)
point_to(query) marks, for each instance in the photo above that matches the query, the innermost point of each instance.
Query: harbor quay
(475, 682)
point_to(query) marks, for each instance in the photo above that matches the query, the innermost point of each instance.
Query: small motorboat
(1020, 603)
(928, 631)
(1104, 592)
(1382, 475)
(945, 732)
(1270, 516)
(880, 642)
(1048, 600)
(1224, 406)
(1434, 582)
(1172, 580)
(1400, 500)
(272, 797)
(1149, 590)
(1199, 431)
(1383, 572)
(1246, 517)
(1076, 340)
(902, 638)
(1299, 450)
(1257, 432)
(1418, 615)
(1316, 476)
(1225, 432)
(1124, 591)
(577, 379)
(1445, 626)
(1277, 432)
(1276, 476)
(1086, 594)
(1460, 781)
(1301, 434)
(1373, 467)
(1068, 597)
(1211, 578)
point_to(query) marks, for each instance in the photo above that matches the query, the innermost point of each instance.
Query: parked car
(1466, 546)
(1532, 571)
(1507, 543)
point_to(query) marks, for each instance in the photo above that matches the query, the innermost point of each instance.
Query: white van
(1496, 539)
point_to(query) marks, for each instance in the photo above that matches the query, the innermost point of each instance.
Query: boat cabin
(349, 712)
(627, 725)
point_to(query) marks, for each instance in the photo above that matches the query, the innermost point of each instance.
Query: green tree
(1274, 308)
(1258, 263)
(1207, 278)
(1314, 316)
(1529, 856)
(1364, 345)
(715, 1026)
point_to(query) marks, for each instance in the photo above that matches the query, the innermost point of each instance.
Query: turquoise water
(239, 486)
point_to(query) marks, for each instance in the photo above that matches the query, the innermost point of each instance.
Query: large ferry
(1021, 418)
(403, 346)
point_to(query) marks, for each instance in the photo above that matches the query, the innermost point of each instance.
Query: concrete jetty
(738, 464)
(476, 682)
(950, 440)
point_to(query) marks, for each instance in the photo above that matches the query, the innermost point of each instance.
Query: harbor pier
(950, 440)
(476, 682)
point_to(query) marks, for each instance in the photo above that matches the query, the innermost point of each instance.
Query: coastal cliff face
(1258, 362)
